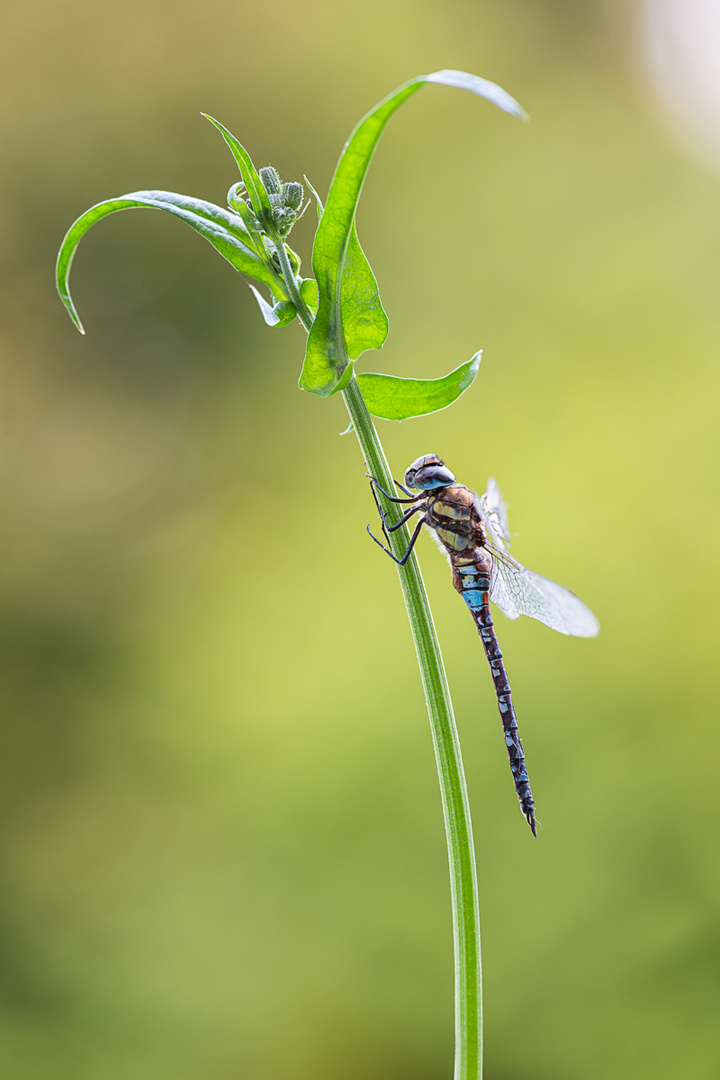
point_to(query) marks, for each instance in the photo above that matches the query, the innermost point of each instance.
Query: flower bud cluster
(285, 201)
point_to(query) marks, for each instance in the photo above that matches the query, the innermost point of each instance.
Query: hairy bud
(292, 194)
(271, 180)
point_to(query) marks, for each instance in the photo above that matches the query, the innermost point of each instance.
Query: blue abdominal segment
(475, 584)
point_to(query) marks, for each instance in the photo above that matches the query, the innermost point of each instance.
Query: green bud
(292, 194)
(284, 219)
(271, 180)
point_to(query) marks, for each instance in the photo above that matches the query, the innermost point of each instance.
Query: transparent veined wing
(519, 591)
(493, 514)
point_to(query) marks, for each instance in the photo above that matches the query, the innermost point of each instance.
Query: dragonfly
(473, 532)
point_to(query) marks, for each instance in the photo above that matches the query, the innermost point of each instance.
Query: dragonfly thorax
(452, 515)
(428, 472)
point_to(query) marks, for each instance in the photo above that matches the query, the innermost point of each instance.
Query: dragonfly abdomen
(473, 583)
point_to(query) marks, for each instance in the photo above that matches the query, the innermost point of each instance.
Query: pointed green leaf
(350, 317)
(392, 398)
(253, 183)
(294, 260)
(280, 314)
(318, 200)
(345, 378)
(224, 230)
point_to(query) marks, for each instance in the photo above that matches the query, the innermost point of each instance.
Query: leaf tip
(215, 123)
(71, 310)
(318, 200)
(463, 80)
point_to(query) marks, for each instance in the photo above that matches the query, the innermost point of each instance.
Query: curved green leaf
(224, 230)
(392, 398)
(350, 316)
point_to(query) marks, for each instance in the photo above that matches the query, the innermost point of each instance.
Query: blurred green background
(222, 847)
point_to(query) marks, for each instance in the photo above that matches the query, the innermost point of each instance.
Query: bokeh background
(222, 848)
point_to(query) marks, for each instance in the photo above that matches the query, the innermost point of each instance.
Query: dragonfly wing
(493, 514)
(519, 591)
(500, 593)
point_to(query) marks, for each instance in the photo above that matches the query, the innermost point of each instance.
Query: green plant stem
(453, 789)
(304, 313)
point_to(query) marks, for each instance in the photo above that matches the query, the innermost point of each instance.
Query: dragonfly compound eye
(427, 473)
(418, 464)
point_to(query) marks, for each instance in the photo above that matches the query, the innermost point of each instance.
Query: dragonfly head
(428, 472)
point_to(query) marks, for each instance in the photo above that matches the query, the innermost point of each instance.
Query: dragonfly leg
(383, 516)
(404, 558)
(387, 529)
(402, 487)
(392, 498)
(381, 512)
(406, 517)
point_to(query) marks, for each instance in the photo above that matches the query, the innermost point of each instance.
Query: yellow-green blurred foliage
(223, 855)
